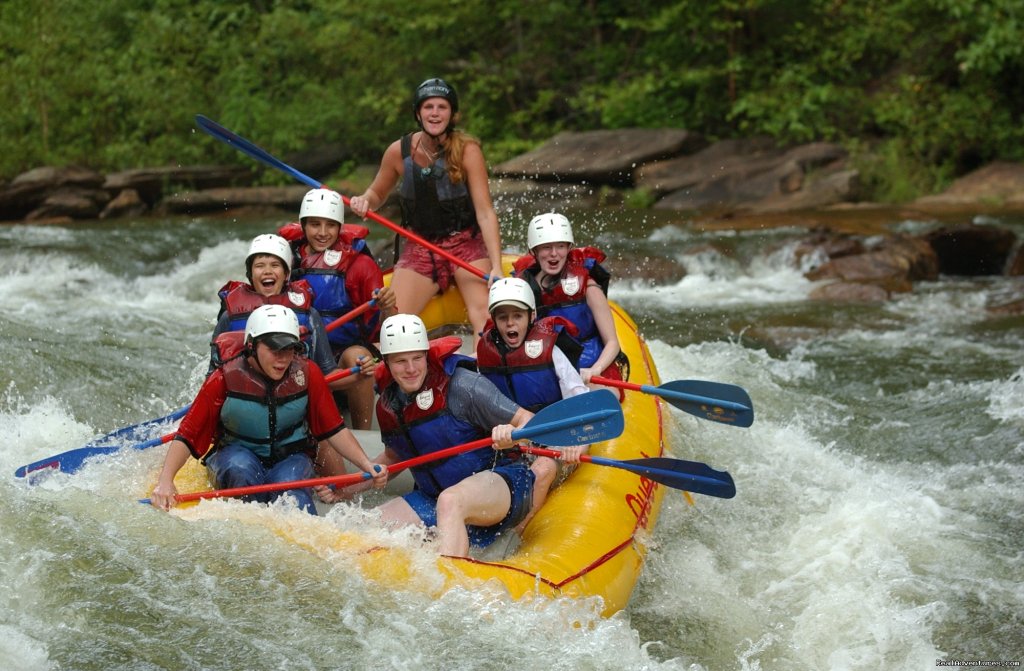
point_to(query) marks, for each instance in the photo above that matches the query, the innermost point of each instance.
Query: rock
(70, 201)
(127, 203)
(653, 270)
(1015, 267)
(211, 200)
(1011, 309)
(893, 265)
(27, 191)
(972, 250)
(152, 183)
(722, 158)
(849, 292)
(823, 191)
(997, 184)
(832, 245)
(752, 174)
(599, 156)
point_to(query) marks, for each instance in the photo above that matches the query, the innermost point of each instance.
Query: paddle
(72, 460)
(716, 401)
(241, 144)
(580, 420)
(689, 476)
(352, 314)
(135, 430)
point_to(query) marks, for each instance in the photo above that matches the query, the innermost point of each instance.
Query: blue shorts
(519, 479)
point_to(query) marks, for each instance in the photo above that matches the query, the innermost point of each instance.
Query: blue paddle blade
(214, 129)
(580, 420)
(691, 476)
(137, 432)
(716, 401)
(73, 460)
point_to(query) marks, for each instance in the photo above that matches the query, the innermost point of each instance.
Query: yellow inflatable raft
(589, 539)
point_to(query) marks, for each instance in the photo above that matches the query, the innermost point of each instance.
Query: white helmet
(271, 244)
(511, 291)
(403, 333)
(275, 325)
(323, 203)
(546, 228)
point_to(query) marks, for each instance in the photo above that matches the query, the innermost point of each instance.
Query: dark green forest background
(920, 91)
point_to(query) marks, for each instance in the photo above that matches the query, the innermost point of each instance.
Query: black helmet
(434, 88)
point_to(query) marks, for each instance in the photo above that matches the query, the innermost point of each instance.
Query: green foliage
(936, 85)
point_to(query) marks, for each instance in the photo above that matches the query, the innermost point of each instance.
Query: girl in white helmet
(570, 282)
(263, 412)
(432, 399)
(532, 361)
(445, 198)
(333, 258)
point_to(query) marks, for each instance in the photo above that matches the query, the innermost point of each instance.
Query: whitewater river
(879, 521)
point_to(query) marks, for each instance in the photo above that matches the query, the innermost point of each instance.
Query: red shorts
(467, 245)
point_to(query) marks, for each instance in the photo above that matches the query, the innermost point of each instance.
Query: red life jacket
(239, 299)
(527, 373)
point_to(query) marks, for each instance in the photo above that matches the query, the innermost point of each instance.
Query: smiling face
(274, 363)
(320, 232)
(435, 116)
(551, 257)
(512, 323)
(409, 369)
(268, 274)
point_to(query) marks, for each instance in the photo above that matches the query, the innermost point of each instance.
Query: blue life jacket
(527, 374)
(424, 424)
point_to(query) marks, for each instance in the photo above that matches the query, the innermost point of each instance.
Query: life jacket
(527, 374)
(425, 424)
(264, 416)
(432, 205)
(239, 299)
(568, 297)
(325, 273)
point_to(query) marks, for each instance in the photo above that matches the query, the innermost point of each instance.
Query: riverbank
(850, 246)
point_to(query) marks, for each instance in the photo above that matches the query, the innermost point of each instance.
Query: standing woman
(442, 180)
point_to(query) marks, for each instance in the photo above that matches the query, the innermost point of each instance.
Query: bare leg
(412, 291)
(474, 295)
(545, 470)
(482, 499)
(397, 512)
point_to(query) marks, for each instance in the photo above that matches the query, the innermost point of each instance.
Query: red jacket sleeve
(364, 277)
(322, 414)
(200, 426)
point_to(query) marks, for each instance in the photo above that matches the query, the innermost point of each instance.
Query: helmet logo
(533, 348)
(296, 298)
(570, 285)
(332, 256)
(425, 399)
(299, 377)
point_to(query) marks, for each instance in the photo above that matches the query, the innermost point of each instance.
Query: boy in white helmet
(263, 412)
(267, 268)
(333, 258)
(531, 362)
(432, 399)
